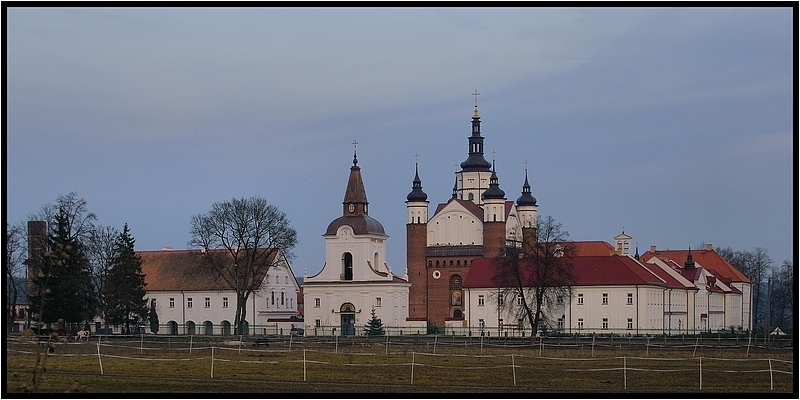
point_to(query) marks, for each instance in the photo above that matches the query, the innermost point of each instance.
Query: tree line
(74, 271)
(773, 286)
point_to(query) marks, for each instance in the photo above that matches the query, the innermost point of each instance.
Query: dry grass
(356, 367)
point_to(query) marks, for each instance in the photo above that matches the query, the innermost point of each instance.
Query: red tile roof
(708, 259)
(588, 271)
(592, 248)
(179, 270)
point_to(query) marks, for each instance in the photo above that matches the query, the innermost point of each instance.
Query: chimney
(709, 247)
(652, 249)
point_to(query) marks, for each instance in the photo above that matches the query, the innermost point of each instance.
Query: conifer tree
(374, 326)
(61, 281)
(125, 286)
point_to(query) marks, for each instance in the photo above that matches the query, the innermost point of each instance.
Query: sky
(676, 124)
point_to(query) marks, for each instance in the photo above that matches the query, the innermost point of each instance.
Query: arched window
(347, 266)
(437, 263)
(471, 197)
(375, 261)
(455, 282)
(455, 290)
(457, 314)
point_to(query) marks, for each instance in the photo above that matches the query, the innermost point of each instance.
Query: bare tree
(532, 277)
(80, 222)
(782, 300)
(757, 266)
(15, 269)
(242, 239)
(101, 253)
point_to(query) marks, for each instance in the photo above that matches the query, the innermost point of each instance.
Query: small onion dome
(494, 191)
(526, 199)
(416, 188)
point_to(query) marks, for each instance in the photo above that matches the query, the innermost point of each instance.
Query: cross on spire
(355, 144)
(493, 154)
(416, 158)
(476, 94)
(526, 164)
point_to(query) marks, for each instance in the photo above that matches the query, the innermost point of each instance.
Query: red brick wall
(494, 239)
(416, 248)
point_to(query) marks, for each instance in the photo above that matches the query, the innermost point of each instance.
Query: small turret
(689, 264)
(416, 188)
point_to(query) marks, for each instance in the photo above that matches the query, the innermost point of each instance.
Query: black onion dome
(362, 225)
(526, 199)
(494, 191)
(416, 189)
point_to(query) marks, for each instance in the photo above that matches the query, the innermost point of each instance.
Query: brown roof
(709, 259)
(179, 270)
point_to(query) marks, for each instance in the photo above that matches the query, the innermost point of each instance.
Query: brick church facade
(478, 221)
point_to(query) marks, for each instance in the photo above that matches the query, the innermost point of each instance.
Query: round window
(437, 274)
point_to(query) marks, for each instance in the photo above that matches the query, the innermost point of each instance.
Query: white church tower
(355, 278)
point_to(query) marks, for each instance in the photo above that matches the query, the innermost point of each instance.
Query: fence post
(290, 342)
(593, 336)
(100, 360)
(387, 343)
(412, 367)
(240, 344)
(701, 373)
(647, 352)
(514, 369)
(190, 343)
(304, 365)
(212, 362)
(770, 374)
(541, 344)
(336, 345)
(625, 371)
(435, 338)
(749, 338)
(141, 344)
(695, 346)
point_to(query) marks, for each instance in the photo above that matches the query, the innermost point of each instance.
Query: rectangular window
(277, 280)
(480, 301)
(188, 302)
(208, 302)
(481, 323)
(630, 323)
(605, 298)
(286, 279)
(500, 300)
(561, 324)
(282, 297)
(605, 323)
(317, 323)
(171, 302)
(560, 300)
(630, 298)
(316, 302)
(224, 302)
(580, 298)
(580, 323)
(519, 300)
(377, 302)
(273, 298)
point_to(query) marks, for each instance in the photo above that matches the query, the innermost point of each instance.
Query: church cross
(355, 144)
(416, 158)
(476, 94)
(493, 154)
(526, 164)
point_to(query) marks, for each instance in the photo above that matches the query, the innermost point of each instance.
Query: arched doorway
(226, 328)
(348, 318)
(173, 327)
(190, 328)
(209, 328)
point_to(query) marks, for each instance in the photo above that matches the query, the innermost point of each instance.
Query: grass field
(209, 365)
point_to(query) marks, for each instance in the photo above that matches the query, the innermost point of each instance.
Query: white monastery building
(190, 301)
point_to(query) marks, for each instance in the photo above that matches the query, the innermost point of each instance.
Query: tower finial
(476, 94)
(355, 158)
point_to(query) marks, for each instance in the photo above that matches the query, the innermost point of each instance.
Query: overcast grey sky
(674, 123)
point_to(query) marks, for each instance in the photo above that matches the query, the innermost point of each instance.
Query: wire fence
(432, 360)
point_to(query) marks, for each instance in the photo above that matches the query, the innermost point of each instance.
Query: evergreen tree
(374, 326)
(61, 282)
(124, 288)
(152, 317)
